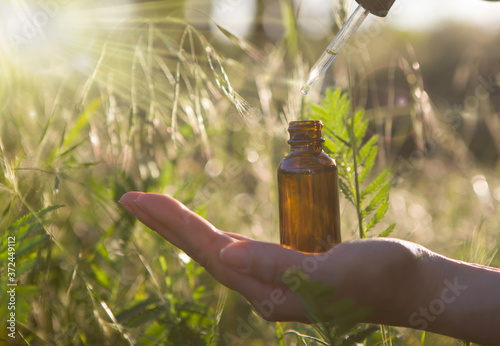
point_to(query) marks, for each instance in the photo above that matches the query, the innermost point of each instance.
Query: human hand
(362, 270)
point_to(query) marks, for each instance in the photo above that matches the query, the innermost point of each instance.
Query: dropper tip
(315, 73)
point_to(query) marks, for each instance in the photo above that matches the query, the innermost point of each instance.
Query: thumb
(265, 262)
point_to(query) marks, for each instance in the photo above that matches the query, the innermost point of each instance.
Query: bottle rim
(304, 124)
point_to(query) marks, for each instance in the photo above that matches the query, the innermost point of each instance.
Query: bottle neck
(305, 136)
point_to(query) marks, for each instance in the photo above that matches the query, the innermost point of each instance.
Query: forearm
(455, 298)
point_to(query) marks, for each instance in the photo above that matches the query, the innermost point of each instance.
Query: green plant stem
(422, 338)
(279, 332)
(308, 337)
(356, 184)
(355, 162)
(386, 335)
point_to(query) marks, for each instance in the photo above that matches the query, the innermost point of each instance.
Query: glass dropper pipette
(331, 52)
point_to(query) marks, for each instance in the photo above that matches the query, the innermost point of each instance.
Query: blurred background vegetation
(102, 97)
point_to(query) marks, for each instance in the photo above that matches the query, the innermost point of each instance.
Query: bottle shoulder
(307, 162)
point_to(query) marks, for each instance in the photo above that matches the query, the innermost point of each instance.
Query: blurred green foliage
(111, 97)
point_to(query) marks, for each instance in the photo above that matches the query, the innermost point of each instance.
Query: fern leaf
(318, 111)
(26, 266)
(26, 246)
(378, 199)
(27, 231)
(346, 191)
(360, 128)
(379, 215)
(388, 231)
(376, 184)
(368, 164)
(329, 147)
(367, 157)
(365, 151)
(31, 218)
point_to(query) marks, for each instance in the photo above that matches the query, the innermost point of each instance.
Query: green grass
(152, 103)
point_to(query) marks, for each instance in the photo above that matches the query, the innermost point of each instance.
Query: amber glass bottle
(308, 191)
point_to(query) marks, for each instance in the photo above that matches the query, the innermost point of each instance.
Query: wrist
(456, 299)
(437, 288)
(393, 279)
(466, 301)
(408, 288)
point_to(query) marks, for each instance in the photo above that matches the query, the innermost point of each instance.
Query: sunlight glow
(184, 257)
(316, 18)
(51, 34)
(482, 189)
(428, 14)
(237, 16)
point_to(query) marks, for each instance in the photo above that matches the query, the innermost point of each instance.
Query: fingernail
(127, 207)
(138, 203)
(236, 256)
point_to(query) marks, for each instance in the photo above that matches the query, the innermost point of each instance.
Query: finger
(238, 236)
(177, 224)
(127, 202)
